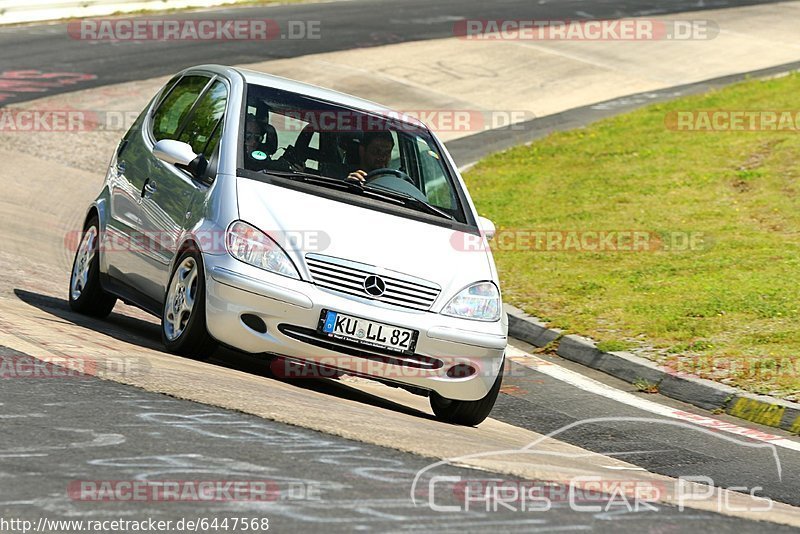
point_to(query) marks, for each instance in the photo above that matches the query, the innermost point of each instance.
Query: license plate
(366, 332)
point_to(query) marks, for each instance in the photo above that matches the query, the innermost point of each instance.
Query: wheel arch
(189, 242)
(97, 209)
(94, 210)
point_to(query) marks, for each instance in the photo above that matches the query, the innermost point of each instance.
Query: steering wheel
(372, 175)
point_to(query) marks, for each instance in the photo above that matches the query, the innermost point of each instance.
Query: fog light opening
(255, 323)
(461, 370)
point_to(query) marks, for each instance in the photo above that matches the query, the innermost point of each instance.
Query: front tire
(467, 413)
(183, 321)
(86, 295)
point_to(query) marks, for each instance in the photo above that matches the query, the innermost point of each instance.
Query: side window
(166, 89)
(206, 115)
(173, 110)
(437, 186)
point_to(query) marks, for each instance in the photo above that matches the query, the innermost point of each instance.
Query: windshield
(288, 134)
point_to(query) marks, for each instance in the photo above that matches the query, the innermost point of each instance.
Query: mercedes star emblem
(374, 285)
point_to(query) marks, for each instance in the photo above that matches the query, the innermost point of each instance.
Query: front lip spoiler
(260, 287)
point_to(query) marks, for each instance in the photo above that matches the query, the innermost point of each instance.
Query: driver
(374, 152)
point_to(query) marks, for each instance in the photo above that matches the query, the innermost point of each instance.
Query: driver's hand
(357, 176)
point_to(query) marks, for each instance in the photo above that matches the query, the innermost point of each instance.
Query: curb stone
(706, 394)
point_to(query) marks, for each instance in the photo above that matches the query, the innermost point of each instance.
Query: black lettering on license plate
(374, 332)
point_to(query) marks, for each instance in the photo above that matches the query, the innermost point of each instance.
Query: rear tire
(467, 413)
(86, 295)
(183, 319)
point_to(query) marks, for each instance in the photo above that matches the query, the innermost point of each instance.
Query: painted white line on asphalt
(620, 468)
(593, 386)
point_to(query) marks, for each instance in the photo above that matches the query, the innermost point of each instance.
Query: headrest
(270, 144)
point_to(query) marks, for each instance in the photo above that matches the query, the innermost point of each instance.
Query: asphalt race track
(346, 25)
(318, 482)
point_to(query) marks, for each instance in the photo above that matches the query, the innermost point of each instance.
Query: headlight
(479, 301)
(250, 245)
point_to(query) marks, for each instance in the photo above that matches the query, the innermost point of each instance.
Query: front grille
(348, 277)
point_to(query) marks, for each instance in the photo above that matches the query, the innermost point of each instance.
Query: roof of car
(310, 90)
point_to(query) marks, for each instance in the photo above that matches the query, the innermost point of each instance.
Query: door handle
(149, 188)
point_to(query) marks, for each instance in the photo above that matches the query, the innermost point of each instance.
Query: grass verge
(712, 287)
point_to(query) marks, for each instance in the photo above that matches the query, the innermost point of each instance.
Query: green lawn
(725, 307)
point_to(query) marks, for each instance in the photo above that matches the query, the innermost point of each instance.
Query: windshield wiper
(385, 193)
(323, 180)
(410, 200)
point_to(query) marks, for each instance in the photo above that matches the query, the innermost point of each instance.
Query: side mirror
(175, 152)
(487, 227)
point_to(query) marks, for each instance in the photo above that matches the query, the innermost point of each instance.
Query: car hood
(303, 223)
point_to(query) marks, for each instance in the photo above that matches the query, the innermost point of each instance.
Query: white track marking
(598, 388)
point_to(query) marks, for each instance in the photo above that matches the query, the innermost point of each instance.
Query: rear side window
(206, 115)
(173, 110)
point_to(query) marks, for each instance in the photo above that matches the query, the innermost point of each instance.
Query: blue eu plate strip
(330, 320)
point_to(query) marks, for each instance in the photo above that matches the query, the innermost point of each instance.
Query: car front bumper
(291, 310)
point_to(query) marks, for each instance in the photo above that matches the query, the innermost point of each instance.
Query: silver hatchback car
(313, 227)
